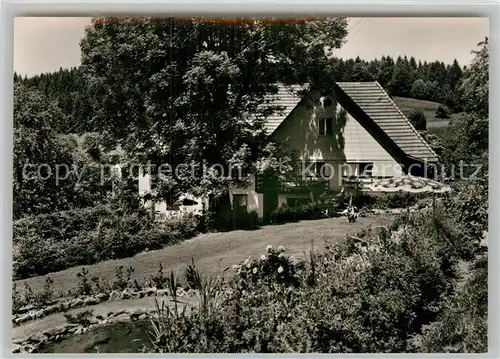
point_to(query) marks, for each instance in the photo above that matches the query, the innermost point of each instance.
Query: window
(365, 169)
(325, 126)
(240, 200)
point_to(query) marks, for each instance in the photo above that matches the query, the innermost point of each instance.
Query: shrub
(418, 120)
(443, 112)
(242, 219)
(308, 211)
(54, 242)
(398, 200)
(462, 326)
(386, 200)
(371, 293)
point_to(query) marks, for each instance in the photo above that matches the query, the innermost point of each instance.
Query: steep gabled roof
(376, 103)
(287, 99)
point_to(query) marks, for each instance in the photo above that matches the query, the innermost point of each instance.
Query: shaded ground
(223, 249)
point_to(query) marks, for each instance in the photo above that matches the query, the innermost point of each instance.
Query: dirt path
(217, 249)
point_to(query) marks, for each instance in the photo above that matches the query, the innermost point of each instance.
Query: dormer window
(325, 126)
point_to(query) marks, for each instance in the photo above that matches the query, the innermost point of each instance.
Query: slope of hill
(427, 107)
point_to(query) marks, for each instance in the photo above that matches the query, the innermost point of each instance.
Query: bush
(398, 200)
(462, 327)
(54, 242)
(308, 211)
(418, 120)
(386, 200)
(242, 219)
(443, 112)
(371, 293)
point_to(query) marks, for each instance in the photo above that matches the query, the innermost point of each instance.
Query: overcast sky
(45, 44)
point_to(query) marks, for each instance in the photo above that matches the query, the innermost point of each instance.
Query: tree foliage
(181, 91)
(417, 118)
(50, 172)
(432, 81)
(476, 85)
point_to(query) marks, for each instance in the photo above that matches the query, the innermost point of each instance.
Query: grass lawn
(428, 108)
(218, 249)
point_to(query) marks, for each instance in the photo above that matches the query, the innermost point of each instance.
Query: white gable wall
(350, 143)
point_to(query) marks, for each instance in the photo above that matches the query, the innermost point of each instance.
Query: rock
(125, 294)
(75, 303)
(136, 314)
(101, 316)
(35, 338)
(51, 309)
(73, 330)
(191, 293)
(23, 318)
(140, 294)
(91, 301)
(180, 292)
(16, 348)
(61, 329)
(150, 291)
(79, 331)
(161, 292)
(26, 309)
(120, 312)
(102, 297)
(38, 314)
(114, 295)
(122, 318)
(142, 316)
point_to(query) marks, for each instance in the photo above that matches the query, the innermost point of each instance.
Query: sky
(45, 44)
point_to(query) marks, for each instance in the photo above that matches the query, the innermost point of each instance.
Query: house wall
(349, 143)
(255, 201)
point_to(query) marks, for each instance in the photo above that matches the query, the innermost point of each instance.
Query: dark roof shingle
(287, 99)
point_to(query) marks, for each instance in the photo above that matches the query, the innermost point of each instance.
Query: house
(356, 131)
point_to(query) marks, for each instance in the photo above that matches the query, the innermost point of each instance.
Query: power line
(359, 29)
(356, 24)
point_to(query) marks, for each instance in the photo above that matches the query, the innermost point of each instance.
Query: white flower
(280, 269)
(269, 248)
(292, 260)
(263, 257)
(254, 270)
(281, 249)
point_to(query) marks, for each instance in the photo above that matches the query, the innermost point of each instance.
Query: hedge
(57, 241)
